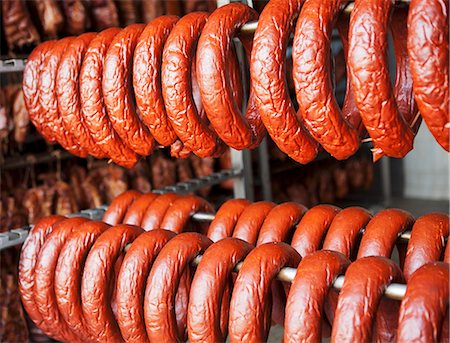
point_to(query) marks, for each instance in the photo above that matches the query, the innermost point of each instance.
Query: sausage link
(31, 88)
(162, 284)
(312, 78)
(313, 227)
(374, 97)
(147, 78)
(427, 242)
(154, 215)
(96, 285)
(429, 62)
(53, 323)
(267, 69)
(67, 92)
(136, 211)
(213, 51)
(226, 218)
(119, 207)
(92, 104)
(360, 298)
(308, 295)
(68, 276)
(425, 304)
(252, 218)
(211, 280)
(447, 252)
(132, 280)
(251, 301)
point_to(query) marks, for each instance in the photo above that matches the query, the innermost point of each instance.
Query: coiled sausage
(119, 207)
(155, 213)
(136, 211)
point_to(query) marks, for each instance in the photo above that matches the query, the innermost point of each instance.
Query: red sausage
(119, 207)
(96, 285)
(267, 69)
(136, 211)
(162, 285)
(251, 301)
(312, 77)
(429, 62)
(425, 304)
(155, 213)
(208, 304)
(131, 282)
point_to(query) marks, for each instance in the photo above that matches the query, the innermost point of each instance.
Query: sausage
(225, 220)
(75, 16)
(367, 56)
(131, 282)
(104, 14)
(427, 242)
(267, 70)
(151, 9)
(447, 253)
(127, 12)
(20, 117)
(50, 17)
(137, 209)
(213, 276)
(119, 207)
(425, 304)
(92, 104)
(28, 260)
(312, 78)
(311, 230)
(346, 230)
(177, 216)
(69, 270)
(308, 294)
(382, 232)
(44, 293)
(155, 213)
(252, 218)
(67, 87)
(251, 300)
(118, 94)
(213, 51)
(30, 84)
(96, 285)
(429, 62)
(147, 78)
(162, 284)
(360, 298)
(279, 223)
(176, 87)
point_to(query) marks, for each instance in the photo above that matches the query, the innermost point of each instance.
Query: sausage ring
(27, 265)
(131, 282)
(118, 91)
(226, 218)
(119, 206)
(147, 78)
(96, 285)
(280, 221)
(44, 292)
(308, 294)
(312, 78)
(427, 242)
(367, 56)
(67, 85)
(92, 105)
(207, 301)
(429, 62)
(68, 276)
(251, 301)
(136, 211)
(213, 51)
(421, 315)
(155, 213)
(162, 285)
(250, 222)
(447, 253)
(360, 298)
(267, 70)
(30, 85)
(313, 227)
(179, 214)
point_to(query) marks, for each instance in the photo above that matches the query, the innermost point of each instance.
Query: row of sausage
(83, 280)
(176, 82)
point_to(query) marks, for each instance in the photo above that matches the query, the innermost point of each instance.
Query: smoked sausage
(135, 213)
(154, 215)
(119, 207)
